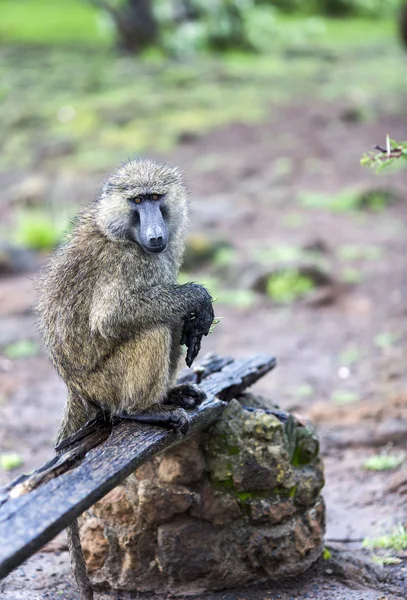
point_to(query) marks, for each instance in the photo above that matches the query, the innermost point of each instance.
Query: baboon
(113, 316)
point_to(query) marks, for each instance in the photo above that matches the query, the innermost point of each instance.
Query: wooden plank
(29, 521)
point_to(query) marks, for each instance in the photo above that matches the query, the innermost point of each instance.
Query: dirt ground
(359, 406)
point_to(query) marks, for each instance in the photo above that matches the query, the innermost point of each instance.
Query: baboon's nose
(156, 240)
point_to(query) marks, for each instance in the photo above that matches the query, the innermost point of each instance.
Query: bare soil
(241, 198)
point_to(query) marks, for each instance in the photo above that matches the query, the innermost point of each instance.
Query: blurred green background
(268, 106)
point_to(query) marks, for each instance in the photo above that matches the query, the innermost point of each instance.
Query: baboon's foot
(164, 416)
(187, 395)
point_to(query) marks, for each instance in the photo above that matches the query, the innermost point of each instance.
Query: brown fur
(112, 315)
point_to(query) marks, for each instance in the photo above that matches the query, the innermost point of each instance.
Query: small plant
(349, 200)
(385, 339)
(38, 230)
(386, 560)
(288, 285)
(395, 541)
(10, 461)
(343, 397)
(350, 356)
(384, 156)
(305, 390)
(350, 275)
(21, 349)
(231, 297)
(352, 252)
(383, 462)
(327, 554)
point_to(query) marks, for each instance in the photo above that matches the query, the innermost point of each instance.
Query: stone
(214, 506)
(238, 504)
(95, 546)
(309, 482)
(183, 464)
(115, 508)
(160, 503)
(264, 511)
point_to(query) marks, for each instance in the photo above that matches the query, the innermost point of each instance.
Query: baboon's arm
(118, 312)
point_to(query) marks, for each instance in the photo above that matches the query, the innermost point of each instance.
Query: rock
(214, 506)
(264, 511)
(183, 464)
(160, 503)
(115, 508)
(236, 505)
(94, 544)
(309, 482)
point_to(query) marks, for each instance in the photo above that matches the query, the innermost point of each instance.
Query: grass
(21, 349)
(386, 560)
(344, 397)
(240, 298)
(383, 462)
(354, 252)
(288, 285)
(397, 540)
(39, 230)
(105, 108)
(350, 356)
(386, 339)
(49, 22)
(10, 461)
(348, 200)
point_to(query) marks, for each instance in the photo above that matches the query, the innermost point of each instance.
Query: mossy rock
(238, 504)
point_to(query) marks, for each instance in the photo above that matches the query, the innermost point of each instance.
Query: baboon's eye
(137, 199)
(155, 196)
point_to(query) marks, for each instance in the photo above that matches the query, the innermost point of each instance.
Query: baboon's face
(143, 203)
(148, 222)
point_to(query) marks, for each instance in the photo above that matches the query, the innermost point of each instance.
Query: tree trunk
(135, 24)
(403, 24)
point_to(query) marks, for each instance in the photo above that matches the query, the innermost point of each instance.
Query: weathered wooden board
(29, 521)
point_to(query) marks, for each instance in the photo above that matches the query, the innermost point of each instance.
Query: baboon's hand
(197, 323)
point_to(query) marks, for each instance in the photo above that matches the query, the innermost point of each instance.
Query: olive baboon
(113, 316)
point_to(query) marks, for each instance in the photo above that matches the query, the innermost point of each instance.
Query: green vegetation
(38, 230)
(387, 155)
(343, 397)
(288, 285)
(383, 462)
(350, 356)
(386, 560)
(350, 275)
(327, 554)
(348, 200)
(10, 461)
(394, 541)
(229, 297)
(353, 252)
(305, 390)
(21, 349)
(44, 22)
(385, 339)
(90, 114)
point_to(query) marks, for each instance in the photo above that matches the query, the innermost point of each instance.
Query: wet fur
(111, 315)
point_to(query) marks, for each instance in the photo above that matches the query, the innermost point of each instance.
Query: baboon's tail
(78, 562)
